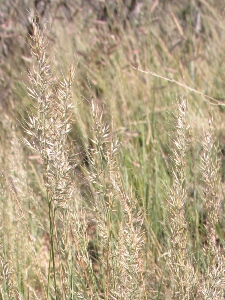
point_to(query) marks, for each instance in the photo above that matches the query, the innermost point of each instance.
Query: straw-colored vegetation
(112, 143)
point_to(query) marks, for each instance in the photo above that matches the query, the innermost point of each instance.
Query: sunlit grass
(112, 180)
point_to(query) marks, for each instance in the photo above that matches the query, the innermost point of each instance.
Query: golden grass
(110, 188)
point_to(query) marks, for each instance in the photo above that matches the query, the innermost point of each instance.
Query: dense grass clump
(112, 144)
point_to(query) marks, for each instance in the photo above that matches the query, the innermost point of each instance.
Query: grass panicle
(214, 276)
(181, 268)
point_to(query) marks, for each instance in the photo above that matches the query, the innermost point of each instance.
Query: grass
(112, 169)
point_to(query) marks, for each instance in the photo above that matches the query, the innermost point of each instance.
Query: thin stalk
(51, 223)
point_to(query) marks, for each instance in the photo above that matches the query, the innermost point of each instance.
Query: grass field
(112, 150)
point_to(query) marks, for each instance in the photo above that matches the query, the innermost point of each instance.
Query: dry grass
(104, 195)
